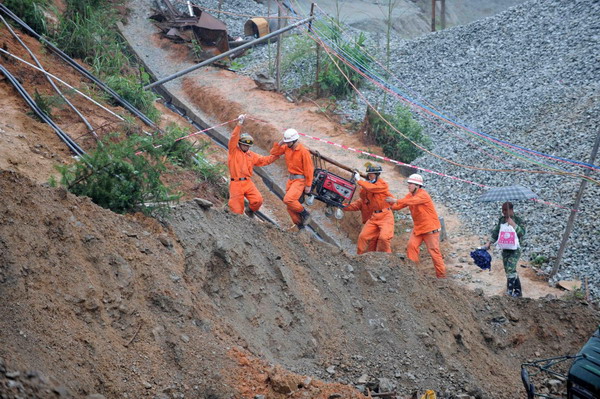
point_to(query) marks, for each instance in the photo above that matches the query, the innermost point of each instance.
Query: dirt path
(220, 95)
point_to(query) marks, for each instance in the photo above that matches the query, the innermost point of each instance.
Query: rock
(386, 385)
(166, 241)
(363, 379)
(264, 82)
(95, 396)
(307, 381)
(204, 204)
(13, 375)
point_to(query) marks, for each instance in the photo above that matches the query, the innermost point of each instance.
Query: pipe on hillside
(227, 53)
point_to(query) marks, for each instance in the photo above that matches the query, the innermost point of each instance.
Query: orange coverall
(298, 162)
(240, 165)
(365, 213)
(380, 226)
(425, 221)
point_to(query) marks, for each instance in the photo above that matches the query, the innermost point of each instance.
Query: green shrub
(211, 172)
(46, 104)
(83, 7)
(121, 176)
(334, 75)
(190, 155)
(179, 152)
(394, 144)
(31, 12)
(538, 259)
(133, 92)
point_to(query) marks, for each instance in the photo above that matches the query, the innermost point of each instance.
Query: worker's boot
(517, 293)
(510, 284)
(304, 218)
(513, 287)
(249, 212)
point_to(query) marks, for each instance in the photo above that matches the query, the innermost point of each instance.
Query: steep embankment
(122, 304)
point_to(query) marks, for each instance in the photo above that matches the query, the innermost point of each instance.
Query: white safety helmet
(415, 179)
(290, 135)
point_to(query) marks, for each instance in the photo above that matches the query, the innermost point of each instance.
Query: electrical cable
(56, 89)
(77, 150)
(80, 69)
(328, 52)
(364, 71)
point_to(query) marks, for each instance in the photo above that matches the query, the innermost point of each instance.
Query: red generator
(333, 190)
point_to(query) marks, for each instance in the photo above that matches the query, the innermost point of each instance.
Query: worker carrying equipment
(380, 225)
(300, 169)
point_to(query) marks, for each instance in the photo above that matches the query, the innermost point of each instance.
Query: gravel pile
(529, 76)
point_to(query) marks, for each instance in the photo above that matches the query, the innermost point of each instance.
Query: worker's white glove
(241, 119)
(356, 176)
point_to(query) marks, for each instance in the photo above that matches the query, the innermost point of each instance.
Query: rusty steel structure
(198, 26)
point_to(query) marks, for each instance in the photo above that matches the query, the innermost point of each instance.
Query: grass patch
(31, 12)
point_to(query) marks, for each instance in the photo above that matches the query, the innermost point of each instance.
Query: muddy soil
(209, 301)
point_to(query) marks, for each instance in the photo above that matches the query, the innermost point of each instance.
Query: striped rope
(558, 172)
(363, 70)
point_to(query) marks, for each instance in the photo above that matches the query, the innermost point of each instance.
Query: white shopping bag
(507, 237)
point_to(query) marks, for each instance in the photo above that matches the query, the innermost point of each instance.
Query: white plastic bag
(507, 237)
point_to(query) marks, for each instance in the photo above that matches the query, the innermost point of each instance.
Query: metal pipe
(228, 53)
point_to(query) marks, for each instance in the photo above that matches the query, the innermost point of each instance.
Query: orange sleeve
(235, 137)
(419, 198)
(378, 187)
(308, 167)
(259, 160)
(401, 203)
(354, 206)
(278, 149)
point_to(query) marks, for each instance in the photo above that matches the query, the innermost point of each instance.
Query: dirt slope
(122, 304)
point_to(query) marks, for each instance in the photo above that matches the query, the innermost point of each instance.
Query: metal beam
(228, 53)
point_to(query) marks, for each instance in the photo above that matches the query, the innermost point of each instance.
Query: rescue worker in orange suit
(362, 205)
(300, 168)
(378, 231)
(240, 162)
(426, 223)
